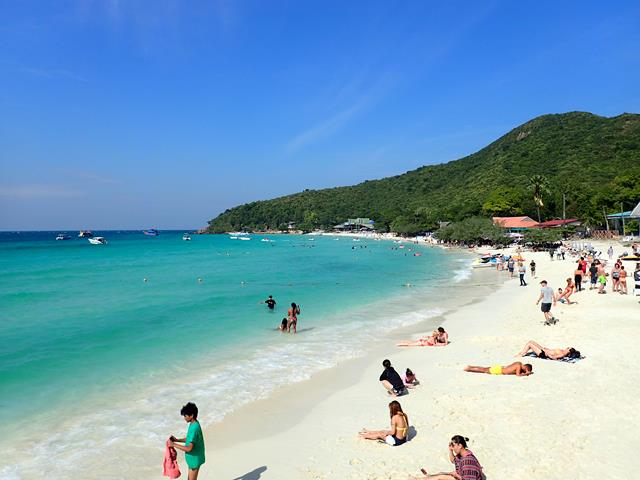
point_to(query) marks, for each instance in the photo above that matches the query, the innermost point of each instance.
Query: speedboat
(85, 234)
(152, 232)
(63, 236)
(186, 237)
(98, 241)
(486, 260)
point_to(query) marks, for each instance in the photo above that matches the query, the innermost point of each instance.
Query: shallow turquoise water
(80, 327)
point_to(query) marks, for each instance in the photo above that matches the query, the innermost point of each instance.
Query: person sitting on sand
(550, 353)
(410, 379)
(397, 435)
(466, 463)
(438, 338)
(391, 381)
(515, 368)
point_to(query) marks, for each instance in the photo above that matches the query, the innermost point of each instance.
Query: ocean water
(100, 345)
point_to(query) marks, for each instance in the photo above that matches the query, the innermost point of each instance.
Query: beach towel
(563, 359)
(170, 465)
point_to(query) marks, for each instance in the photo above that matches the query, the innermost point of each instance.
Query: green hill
(593, 160)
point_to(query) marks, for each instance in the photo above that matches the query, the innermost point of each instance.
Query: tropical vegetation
(588, 162)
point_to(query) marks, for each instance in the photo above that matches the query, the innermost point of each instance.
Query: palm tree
(538, 186)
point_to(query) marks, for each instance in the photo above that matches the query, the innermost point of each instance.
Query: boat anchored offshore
(186, 237)
(152, 232)
(97, 241)
(85, 234)
(63, 236)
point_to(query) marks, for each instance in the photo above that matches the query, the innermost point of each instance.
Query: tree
(503, 201)
(539, 186)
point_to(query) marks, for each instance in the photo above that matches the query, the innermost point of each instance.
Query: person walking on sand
(521, 271)
(610, 252)
(467, 466)
(622, 282)
(577, 278)
(510, 266)
(547, 297)
(615, 277)
(532, 267)
(293, 313)
(193, 447)
(515, 368)
(593, 276)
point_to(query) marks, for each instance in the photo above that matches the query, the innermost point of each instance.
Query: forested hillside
(593, 160)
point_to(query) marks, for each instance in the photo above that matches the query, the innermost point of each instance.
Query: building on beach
(356, 225)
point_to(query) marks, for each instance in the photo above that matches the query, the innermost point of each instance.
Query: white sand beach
(566, 420)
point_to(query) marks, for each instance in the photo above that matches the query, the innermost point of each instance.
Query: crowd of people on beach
(590, 269)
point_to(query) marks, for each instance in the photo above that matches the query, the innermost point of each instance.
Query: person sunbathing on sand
(466, 463)
(551, 353)
(439, 338)
(399, 428)
(516, 368)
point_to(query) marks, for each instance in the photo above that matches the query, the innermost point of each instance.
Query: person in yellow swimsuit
(515, 368)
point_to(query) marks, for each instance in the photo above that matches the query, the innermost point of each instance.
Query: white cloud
(29, 192)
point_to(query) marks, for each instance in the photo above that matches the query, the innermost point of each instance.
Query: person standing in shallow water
(193, 447)
(293, 313)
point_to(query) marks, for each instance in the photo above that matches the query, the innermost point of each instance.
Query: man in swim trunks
(547, 296)
(515, 368)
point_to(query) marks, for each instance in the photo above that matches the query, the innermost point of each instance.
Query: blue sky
(133, 114)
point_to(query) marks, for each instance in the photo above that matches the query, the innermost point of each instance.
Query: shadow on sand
(253, 474)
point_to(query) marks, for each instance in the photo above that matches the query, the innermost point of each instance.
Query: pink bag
(170, 465)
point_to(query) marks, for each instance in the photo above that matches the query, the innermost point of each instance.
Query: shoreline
(226, 434)
(503, 416)
(261, 421)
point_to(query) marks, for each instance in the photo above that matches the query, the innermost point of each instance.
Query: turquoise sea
(93, 355)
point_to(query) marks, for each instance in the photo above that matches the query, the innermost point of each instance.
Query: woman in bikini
(550, 353)
(293, 313)
(568, 291)
(399, 427)
(438, 338)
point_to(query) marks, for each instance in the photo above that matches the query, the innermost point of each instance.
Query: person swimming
(283, 325)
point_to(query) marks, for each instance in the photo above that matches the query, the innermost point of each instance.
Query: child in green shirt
(193, 443)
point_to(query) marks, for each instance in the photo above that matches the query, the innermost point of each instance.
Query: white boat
(186, 237)
(266, 240)
(97, 241)
(244, 238)
(85, 234)
(63, 236)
